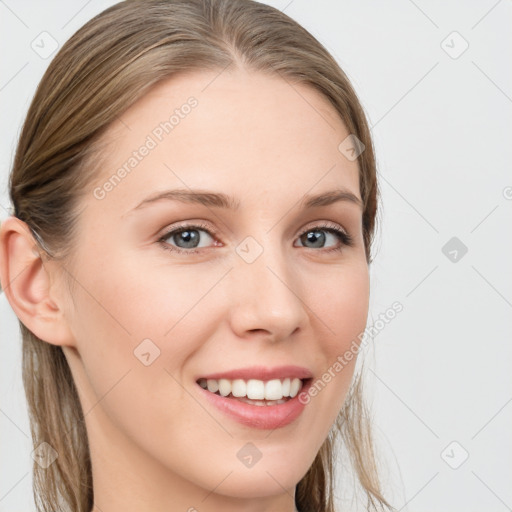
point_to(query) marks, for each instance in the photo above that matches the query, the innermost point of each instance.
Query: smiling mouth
(255, 391)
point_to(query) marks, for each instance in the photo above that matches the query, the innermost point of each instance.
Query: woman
(194, 197)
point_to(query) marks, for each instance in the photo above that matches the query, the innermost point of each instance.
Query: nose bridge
(267, 295)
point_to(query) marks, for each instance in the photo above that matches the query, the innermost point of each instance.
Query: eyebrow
(221, 200)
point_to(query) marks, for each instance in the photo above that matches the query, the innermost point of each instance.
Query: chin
(247, 484)
(262, 479)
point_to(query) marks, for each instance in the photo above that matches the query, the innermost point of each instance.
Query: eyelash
(345, 239)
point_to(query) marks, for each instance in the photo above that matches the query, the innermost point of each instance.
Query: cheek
(340, 302)
(134, 318)
(131, 300)
(134, 337)
(342, 311)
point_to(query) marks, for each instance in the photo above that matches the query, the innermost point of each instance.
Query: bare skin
(156, 444)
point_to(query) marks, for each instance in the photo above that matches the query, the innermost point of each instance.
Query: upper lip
(261, 373)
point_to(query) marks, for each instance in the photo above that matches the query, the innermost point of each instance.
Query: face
(177, 293)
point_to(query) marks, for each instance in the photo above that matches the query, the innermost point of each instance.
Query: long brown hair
(104, 68)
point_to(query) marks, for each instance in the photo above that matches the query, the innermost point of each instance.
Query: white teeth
(263, 402)
(273, 390)
(295, 385)
(224, 386)
(286, 387)
(239, 388)
(212, 385)
(254, 389)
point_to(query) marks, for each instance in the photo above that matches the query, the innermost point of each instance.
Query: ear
(29, 287)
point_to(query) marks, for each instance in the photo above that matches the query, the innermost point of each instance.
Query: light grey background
(439, 376)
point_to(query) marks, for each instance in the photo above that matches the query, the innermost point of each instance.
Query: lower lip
(259, 416)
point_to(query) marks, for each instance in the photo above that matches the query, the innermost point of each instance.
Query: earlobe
(27, 284)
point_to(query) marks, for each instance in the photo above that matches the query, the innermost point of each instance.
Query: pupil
(315, 237)
(188, 237)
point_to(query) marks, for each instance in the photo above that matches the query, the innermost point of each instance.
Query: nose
(267, 299)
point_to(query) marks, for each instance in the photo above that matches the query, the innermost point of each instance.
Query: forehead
(256, 135)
